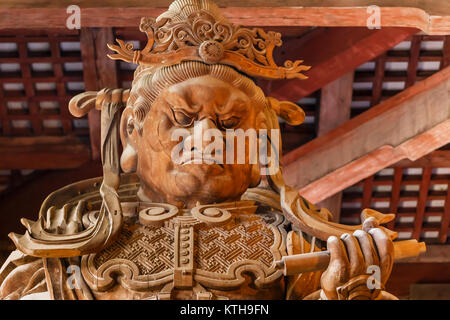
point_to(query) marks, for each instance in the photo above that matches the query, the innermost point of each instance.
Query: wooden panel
(413, 61)
(335, 103)
(421, 203)
(438, 291)
(429, 267)
(12, 180)
(405, 274)
(106, 68)
(380, 64)
(367, 192)
(431, 18)
(90, 76)
(446, 55)
(395, 197)
(445, 224)
(99, 72)
(436, 159)
(43, 153)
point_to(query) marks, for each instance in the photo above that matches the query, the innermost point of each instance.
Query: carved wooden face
(205, 101)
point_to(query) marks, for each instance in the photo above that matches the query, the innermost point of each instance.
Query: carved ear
(292, 113)
(128, 159)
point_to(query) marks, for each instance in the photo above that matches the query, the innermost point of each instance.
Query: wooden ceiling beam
(427, 15)
(90, 77)
(409, 125)
(98, 72)
(335, 104)
(435, 159)
(43, 152)
(331, 53)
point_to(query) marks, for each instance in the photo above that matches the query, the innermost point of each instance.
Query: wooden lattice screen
(418, 195)
(397, 69)
(40, 72)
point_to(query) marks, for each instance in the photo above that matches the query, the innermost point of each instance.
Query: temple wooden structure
(377, 106)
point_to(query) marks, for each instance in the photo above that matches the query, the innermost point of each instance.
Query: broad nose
(203, 134)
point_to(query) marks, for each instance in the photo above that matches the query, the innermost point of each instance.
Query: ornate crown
(194, 30)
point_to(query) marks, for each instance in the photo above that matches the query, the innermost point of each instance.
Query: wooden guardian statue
(203, 225)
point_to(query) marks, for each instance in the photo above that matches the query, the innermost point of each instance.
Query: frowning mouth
(203, 161)
(190, 158)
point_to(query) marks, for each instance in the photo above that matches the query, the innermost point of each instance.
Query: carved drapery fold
(38, 241)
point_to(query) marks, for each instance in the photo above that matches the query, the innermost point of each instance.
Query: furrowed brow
(177, 101)
(237, 106)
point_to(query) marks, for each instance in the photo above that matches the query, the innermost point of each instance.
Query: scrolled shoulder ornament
(157, 213)
(211, 214)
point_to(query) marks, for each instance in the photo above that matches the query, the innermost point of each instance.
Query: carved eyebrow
(179, 102)
(234, 105)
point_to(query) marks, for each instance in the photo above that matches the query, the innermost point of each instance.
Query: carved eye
(182, 118)
(229, 123)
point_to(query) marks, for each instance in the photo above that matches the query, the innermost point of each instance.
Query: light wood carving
(185, 34)
(167, 230)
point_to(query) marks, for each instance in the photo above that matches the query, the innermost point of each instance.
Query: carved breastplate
(203, 252)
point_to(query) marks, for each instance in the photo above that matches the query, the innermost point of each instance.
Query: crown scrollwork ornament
(204, 35)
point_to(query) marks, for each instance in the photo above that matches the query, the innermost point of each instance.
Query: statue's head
(195, 99)
(191, 93)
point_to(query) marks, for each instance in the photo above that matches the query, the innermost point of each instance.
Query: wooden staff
(316, 261)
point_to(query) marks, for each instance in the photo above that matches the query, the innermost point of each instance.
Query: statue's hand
(352, 255)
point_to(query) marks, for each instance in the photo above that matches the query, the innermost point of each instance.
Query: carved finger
(368, 248)
(338, 260)
(370, 223)
(355, 255)
(385, 250)
(337, 271)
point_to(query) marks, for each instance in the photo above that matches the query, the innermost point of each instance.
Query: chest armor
(216, 251)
